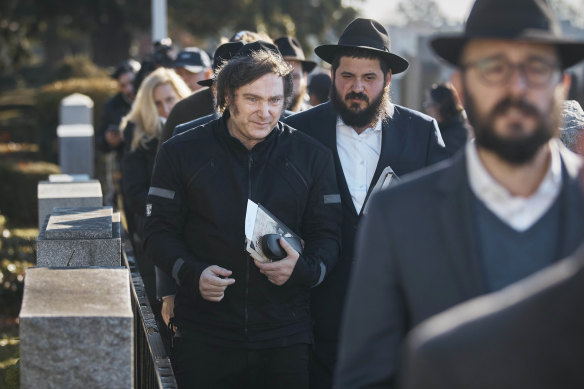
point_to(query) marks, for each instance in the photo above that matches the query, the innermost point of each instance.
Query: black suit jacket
(529, 335)
(410, 141)
(416, 257)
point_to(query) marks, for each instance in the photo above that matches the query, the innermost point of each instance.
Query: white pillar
(159, 30)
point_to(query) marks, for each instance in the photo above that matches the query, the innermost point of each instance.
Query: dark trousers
(322, 361)
(198, 365)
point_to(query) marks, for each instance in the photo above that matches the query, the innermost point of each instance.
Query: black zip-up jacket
(196, 209)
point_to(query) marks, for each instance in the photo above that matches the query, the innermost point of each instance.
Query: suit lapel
(389, 148)
(456, 220)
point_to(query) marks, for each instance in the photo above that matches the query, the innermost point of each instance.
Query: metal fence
(152, 367)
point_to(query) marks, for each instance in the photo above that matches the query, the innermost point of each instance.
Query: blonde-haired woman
(158, 93)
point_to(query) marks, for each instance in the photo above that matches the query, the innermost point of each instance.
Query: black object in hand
(273, 250)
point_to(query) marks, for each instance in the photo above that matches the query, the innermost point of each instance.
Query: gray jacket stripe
(332, 199)
(175, 269)
(322, 273)
(160, 192)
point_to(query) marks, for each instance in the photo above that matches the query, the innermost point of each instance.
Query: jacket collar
(235, 144)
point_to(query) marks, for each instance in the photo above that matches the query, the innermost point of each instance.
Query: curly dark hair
(242, 70)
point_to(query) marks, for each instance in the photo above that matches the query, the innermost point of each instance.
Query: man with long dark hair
(242, 323)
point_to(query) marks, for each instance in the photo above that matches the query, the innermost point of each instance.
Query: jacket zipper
(295, 170)
(249, 192)
(194, 176)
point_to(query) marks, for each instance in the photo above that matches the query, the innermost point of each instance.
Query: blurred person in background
(193, 65)
(294, 55)
(108, 138)
(163, 54)
(444, 105)
(319, 88)
(141, 128)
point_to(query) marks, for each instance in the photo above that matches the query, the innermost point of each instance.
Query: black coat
(529, 335)
(196, 212)
(113, 112)
(137, 166)
(416, 257)
(410, 141)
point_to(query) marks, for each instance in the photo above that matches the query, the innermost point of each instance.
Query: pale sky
(455, 10)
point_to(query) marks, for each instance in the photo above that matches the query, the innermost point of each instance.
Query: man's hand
(280, 271)
(167, 309)
(211, 284)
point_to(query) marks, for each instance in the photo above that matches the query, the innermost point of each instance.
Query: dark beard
(362, 118)
(514, 150)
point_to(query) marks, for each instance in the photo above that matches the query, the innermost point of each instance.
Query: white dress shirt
(518, 212)
(359, 154)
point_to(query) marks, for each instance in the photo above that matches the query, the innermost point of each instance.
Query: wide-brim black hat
(292, 51)
(366, 34)
(518, 20)
(223, 53)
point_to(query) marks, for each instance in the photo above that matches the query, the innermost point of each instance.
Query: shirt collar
(488, 189)
(378, 125)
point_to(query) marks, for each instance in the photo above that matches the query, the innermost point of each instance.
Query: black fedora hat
(366, 34)
(223, 53)
(521, 20)
(249, 48)
(291, 50)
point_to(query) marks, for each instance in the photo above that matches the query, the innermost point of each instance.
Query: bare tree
(420, 12)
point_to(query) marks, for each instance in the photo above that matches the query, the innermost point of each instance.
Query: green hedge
(48, 100)
(18, 191)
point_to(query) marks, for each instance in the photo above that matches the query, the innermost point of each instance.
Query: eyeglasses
(497, 71)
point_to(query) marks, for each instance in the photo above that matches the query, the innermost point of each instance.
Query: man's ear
(208, 73)
(388, 77)
(456, 80)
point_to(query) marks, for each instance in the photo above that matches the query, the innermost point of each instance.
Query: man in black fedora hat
(371, 140)
(293, 54)
(506, 207)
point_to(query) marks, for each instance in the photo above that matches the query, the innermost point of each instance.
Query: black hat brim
(450, 47)
(208, 82)
(308, 66)
(396, 63)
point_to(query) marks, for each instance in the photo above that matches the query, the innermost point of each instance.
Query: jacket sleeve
(166, 214)
(436, 148)
(321, 227)
(374, 318)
